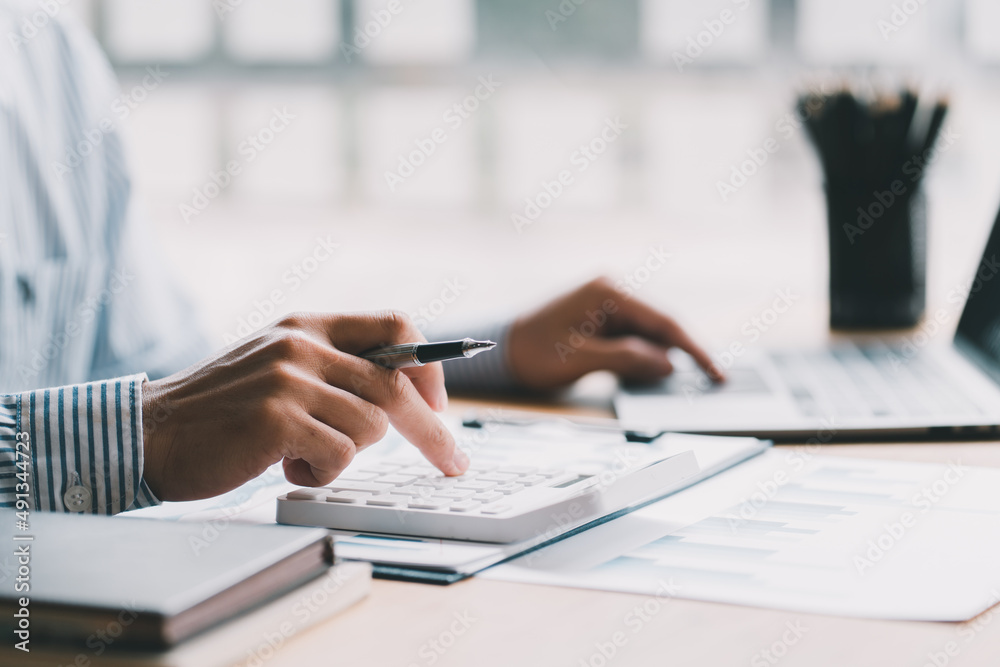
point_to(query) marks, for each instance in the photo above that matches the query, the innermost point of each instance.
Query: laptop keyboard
(871, 381)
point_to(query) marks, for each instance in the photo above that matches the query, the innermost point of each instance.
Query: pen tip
(474, 347)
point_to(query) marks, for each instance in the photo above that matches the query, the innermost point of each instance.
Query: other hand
(597, 327)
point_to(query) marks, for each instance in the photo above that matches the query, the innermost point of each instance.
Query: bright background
(232, 62)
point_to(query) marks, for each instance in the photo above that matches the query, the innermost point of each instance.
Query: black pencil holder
(878, 254)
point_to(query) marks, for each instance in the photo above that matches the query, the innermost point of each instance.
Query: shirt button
(77, 498)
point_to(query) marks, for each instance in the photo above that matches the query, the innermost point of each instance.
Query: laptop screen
(979, 327)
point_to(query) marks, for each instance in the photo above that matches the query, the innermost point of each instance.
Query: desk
(494, 623)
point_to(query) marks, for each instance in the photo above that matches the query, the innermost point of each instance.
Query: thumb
(630, 357)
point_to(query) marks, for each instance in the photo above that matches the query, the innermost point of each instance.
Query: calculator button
(370, 487)
(429, 503)
(308, 494)
(464, 505)
(551, 473)
(531, 480)
(419, 471)
(495, 509)
(398, 480)
(347, 497)
(508, 489)
(455, 494)
(518, 470)
(357, 476)
(382, 468)
(476, 485)
(487, 497)
(437, 482)
(414, 490)
(389, 500)
(496, 477)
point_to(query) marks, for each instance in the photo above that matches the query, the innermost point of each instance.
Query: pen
(409, 355)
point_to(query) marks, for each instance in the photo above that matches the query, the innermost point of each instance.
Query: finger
(314, 453)
(630, 357)
(359, 332)
(664, 330)
(363, 422)
(396, 394)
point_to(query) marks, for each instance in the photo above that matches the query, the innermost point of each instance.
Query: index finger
(664, 330)
(396, 394)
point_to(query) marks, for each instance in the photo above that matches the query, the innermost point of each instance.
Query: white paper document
(795, 530)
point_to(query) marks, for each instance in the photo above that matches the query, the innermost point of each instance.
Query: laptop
(916, 387)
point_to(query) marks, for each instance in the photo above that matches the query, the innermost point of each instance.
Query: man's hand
(295, 392)
(596, 328)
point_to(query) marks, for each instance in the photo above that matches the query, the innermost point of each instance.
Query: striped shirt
(82, 294)
(81, 297)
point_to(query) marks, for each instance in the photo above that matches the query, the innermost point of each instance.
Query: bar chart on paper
(807, 533)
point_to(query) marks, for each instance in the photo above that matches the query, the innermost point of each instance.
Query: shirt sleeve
(76, 448)
(488, 372)
(144, 321)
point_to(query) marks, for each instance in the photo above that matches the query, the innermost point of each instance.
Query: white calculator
(495, 501)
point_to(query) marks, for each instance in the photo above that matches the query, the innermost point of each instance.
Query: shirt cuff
(487, 371)
(80, 444)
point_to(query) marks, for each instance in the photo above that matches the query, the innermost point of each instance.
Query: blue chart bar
(721, 525)
(675, 545)
(840, 495)
(632, 566)
(804, 511)
(862, 475)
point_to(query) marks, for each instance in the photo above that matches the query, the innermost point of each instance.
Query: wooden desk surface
(483, 623)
